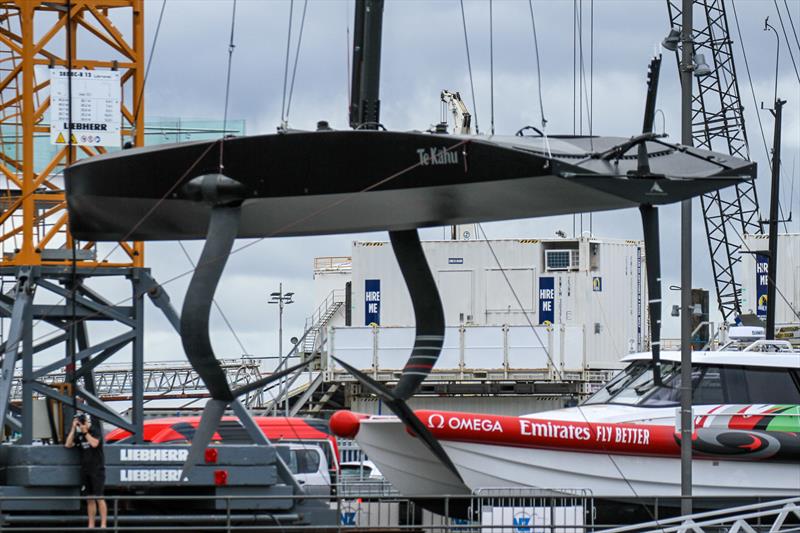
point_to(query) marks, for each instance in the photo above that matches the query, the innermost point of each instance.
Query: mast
(365, 87)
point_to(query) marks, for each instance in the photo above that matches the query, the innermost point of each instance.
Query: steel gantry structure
(50, 305)
(718, 124)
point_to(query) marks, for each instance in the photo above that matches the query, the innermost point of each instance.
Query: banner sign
(610, 437)
(96, 107)
(372, 301)
(762, 285)
(547, 300)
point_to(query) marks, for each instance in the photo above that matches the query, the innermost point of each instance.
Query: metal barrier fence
(488, 511)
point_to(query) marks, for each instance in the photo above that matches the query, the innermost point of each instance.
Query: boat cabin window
(711, 384)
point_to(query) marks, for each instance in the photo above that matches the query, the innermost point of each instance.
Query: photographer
(88, 439)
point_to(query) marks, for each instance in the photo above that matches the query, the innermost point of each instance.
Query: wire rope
(348, 91)
(791, 23)
(286, 64)
(491, 63)
(539, 78)
(750, 83)
(231, 48)
(786, 37)
(469, 68)
(296, 57)
(149, 63)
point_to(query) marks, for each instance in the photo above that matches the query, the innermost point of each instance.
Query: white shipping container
(788, 278)
(598, 285)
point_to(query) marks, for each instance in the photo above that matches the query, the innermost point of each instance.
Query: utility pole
(687, 69)
(774, 202)
(772, 265)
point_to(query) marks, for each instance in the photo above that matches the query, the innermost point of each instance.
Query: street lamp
(281, 299)
(699, 67)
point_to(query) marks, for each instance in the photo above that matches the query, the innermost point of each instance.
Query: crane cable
(296, 57)
(469, 68)
(149, 63)
(752, 89)
(491, 63)
(231, 48)
(539, 79)
(786, 37)
(791, 23)
(286, 65)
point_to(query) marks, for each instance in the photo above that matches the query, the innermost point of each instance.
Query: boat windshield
(711, 384)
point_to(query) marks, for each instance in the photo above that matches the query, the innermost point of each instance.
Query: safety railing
(488, 511)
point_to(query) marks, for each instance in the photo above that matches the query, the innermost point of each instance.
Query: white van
(309, 466)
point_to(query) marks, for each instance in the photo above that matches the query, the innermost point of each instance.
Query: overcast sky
(423, 53)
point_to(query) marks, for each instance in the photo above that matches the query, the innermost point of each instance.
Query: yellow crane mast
(35, 36)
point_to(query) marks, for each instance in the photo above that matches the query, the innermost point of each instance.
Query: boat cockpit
(716, 380)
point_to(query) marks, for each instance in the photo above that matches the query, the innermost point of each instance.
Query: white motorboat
(621, 442)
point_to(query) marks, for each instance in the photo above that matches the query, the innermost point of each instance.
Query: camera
(81, 419)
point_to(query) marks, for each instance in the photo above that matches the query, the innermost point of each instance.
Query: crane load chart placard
(96, 111)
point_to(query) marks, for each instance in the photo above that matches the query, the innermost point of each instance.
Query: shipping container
(508, 304)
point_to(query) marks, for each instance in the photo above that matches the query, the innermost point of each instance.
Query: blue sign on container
(547, 300)
(372, 301)
(762, 284)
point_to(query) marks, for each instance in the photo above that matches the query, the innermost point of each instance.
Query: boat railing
(769, 516)
(763, 345)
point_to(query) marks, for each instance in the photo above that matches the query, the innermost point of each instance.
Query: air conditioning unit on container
(561, 260)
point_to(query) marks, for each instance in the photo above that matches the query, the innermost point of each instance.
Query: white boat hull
(413, 469)
(405, 461)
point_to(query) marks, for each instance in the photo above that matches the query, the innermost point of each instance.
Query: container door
(455, 288)
(501, 303)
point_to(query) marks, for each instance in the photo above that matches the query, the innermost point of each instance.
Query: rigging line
(750, 82)
(296, 57)
(574, 59)
(538, 77)
(214, 301)
(286, 64)
(231, 47)
(347, 52)
(584, 91)
(554, 366)
(469, 68)
(579, 16)
(791, 23)
(591, 77)
(491, 63)
(786, 37)
(149, 63)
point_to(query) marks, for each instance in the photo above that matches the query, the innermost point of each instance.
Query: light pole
(690, 64)
(281, 299)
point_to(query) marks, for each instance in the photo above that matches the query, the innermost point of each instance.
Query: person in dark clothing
(88, 439)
